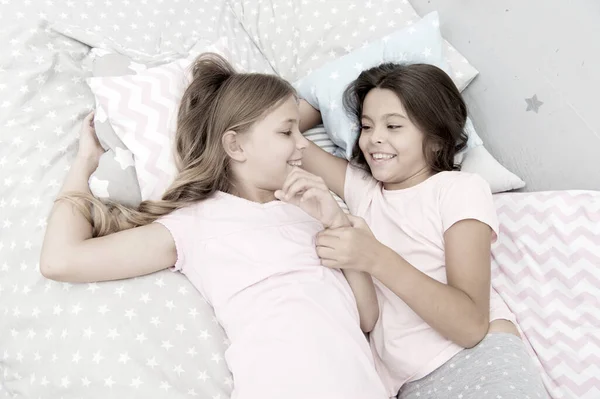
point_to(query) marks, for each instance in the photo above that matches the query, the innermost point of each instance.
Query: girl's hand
(89, 146)
(353, 248)
(310, 193)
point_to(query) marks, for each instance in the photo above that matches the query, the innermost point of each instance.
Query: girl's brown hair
(218, 100)
(430, 98)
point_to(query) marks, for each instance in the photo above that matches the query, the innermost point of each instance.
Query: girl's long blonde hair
(217, 100)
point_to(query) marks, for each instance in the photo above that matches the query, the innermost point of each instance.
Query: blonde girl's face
(390, 142)
(274, 146)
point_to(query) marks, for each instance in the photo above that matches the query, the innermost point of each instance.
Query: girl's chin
(380, 175)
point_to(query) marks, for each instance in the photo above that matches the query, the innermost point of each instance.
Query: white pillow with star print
(297, 37)
(420, 43)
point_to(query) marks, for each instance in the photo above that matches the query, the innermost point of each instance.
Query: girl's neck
(416, 178)
(252, 193)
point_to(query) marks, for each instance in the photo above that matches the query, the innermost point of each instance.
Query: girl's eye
(365, 127)
(288, 133)
(394, 126)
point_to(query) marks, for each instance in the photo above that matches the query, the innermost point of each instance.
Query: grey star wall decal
(533, 104)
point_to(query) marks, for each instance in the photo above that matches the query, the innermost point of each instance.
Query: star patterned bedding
(155, 336)
(152, 336)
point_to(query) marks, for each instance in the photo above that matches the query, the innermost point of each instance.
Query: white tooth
(382, 156)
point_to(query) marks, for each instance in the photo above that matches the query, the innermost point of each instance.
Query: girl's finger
(334, 233)
(279, 195)
(329, 263)
(290, 179)
(89, 118)
(313, 193)
(300, 186)
(356, 221)
(296, 186)
(327, 241)
(298, 173)
(326, 253)
(318, 181)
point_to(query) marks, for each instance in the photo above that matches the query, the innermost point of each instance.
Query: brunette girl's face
(390, 142)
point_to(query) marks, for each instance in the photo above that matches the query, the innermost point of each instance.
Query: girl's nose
(377, 137)
(301, 141)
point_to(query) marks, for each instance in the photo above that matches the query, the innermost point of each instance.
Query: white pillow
(142, 109)
(479, 160)
(298, 37)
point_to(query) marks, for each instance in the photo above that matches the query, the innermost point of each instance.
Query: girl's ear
(231, 144)
(436, 146)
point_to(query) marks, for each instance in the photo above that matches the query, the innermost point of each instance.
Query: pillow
(323, 89)
(546, 267)
(422, 42)
(142, 110)
(479, 160)
(300, 36)
(115, 177)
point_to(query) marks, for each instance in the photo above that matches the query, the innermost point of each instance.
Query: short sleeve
(468, 196)
(179, 223)
(359, 186)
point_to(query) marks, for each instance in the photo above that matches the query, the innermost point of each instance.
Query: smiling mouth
(380, 157)
(296, 162)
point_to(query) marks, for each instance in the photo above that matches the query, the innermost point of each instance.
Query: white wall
(550, 48)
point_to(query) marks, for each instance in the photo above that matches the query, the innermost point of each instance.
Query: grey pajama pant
(499, 367)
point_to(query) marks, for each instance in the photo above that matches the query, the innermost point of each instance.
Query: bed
(154, 336)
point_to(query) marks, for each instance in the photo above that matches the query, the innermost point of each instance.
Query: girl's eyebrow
(385, 116)
(290, 120)
(394, 114)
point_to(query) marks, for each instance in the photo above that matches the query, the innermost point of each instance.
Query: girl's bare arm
(460, 309)
(69, 253)
(317, 161)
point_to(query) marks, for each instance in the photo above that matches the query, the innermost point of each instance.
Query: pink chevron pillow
(546, 267)
(142, 110)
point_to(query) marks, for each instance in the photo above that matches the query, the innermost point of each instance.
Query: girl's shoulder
(443, 185)
(463, 192)
(464, 195)
(459, 180)
(193, 211)
(205, 218)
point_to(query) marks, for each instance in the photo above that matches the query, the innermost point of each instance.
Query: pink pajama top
(412, 222)
(292, 323)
